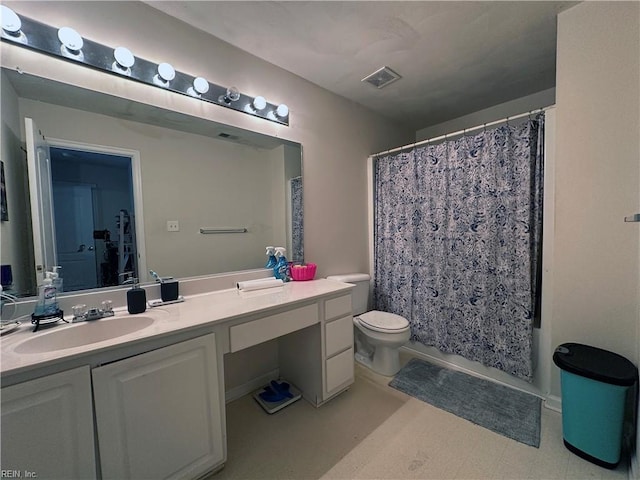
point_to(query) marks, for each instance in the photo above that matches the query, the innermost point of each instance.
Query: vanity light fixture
(66, 43)
(231, 95)
(165, 74)
(12, 25)
(70, 43)
(200, 86)
(124, 61)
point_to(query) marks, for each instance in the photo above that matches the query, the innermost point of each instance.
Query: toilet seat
(384, 322)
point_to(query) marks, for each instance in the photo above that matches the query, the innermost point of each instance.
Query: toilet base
(384, 361)
(363, 359)
(379, 351)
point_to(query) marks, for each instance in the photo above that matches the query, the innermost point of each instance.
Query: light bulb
(166, 72)
(282, 111)
(124, 57)
(70, 39)
(231, 95)
(259, 103)
(11, 22)
(201, 85)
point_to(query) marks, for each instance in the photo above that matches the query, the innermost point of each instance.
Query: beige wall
(337, 135)
(517, 106)
(15, 234)
(596, 295)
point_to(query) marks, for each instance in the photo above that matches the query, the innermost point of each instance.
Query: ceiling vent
(228, 136)
(382, 77)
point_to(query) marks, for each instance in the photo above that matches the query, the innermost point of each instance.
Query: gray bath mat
(506, 411)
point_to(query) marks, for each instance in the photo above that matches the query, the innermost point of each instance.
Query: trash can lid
(595, 363)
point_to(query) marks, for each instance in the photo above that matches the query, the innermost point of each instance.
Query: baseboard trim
(250, 386)
(554, 403)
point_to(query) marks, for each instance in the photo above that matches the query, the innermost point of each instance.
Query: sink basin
(84, 333)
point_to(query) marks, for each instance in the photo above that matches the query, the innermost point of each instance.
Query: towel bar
(207, 231)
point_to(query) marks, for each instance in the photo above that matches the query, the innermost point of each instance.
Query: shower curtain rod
(463, 131)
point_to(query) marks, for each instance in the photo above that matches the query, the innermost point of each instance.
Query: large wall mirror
(134, 187)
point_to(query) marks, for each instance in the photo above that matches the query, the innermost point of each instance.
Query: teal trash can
(595, 384)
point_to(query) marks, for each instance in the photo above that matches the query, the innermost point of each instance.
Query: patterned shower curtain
(458, 229)
(297, 220)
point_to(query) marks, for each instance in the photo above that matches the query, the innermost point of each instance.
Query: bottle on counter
(281, 270)
(56, 279)
(136, 298)
(47, 304)
(273, 261)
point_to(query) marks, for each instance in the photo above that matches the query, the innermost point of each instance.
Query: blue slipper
(268, 395)
(282, 388)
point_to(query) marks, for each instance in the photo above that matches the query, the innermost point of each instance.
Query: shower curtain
(458, 229)
(297, 220)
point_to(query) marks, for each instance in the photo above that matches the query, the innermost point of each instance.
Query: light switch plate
(173, 226)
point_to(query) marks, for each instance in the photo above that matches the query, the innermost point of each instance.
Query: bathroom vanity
(154, 383)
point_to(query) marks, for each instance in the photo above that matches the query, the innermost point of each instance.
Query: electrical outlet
(173, 226)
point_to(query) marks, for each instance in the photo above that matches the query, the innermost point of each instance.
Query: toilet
(378, 335)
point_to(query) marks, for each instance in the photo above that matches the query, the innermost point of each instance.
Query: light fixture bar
(67, 44)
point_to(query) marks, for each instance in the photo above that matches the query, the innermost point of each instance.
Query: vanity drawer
(338, 335)
(337, 307)
(340, 370)
(267, 328)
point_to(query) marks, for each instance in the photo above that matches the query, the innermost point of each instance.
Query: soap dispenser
(56, 279)
(47, 309)
(47, 304)
(136, 298)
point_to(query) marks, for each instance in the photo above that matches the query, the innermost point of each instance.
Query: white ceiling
(455, 57)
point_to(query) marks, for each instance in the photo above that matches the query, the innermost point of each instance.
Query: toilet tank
(360, 294)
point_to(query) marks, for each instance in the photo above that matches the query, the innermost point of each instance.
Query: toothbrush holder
(169, 291)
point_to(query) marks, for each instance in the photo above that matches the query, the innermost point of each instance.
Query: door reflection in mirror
(94, 217)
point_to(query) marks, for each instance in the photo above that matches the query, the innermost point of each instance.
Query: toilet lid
(383, 321)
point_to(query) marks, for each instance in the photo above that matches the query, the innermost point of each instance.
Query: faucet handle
(79, 310)
(107, 306)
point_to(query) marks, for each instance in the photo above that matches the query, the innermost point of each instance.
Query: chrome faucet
(127, 278)
(82, 314)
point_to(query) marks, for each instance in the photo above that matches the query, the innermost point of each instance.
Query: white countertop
(197, 311)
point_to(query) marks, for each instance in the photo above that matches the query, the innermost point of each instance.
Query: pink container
(303, 272)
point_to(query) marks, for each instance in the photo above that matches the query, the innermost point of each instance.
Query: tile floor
(373, 431)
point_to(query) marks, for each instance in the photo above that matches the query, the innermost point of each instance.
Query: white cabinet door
(159, 414)
(340, 371)
(47, 427)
